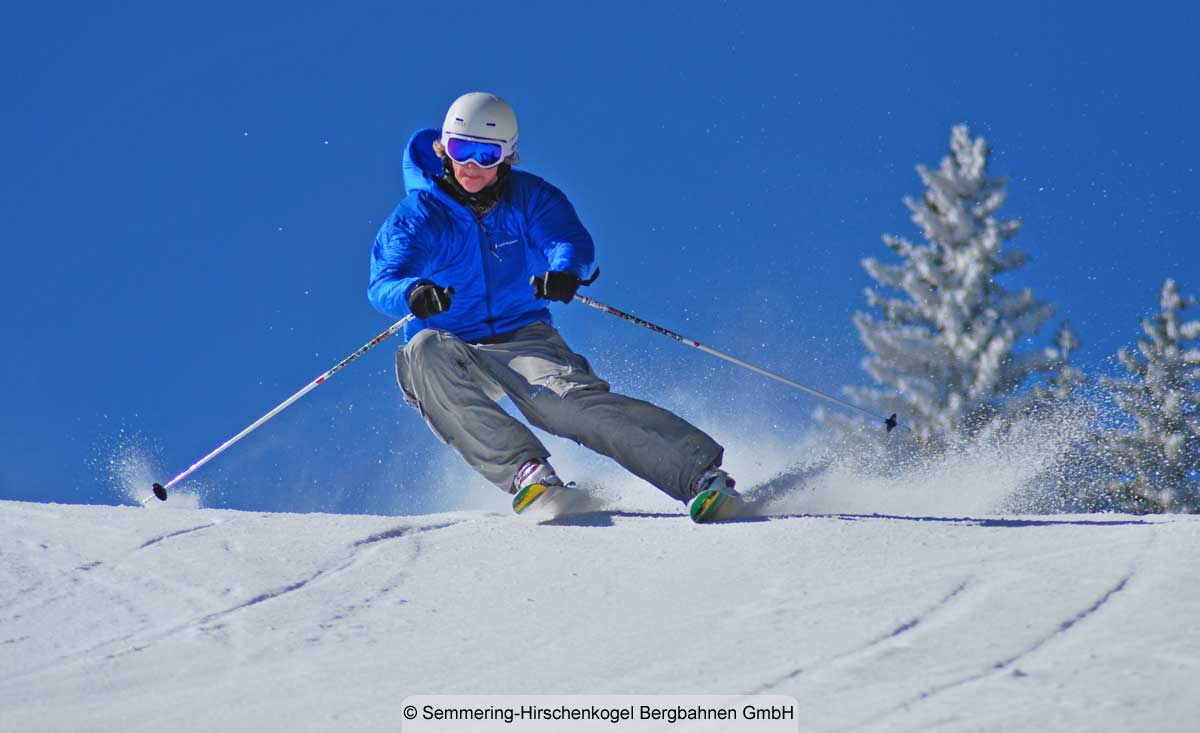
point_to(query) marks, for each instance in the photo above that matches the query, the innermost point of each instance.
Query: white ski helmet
(482, 116)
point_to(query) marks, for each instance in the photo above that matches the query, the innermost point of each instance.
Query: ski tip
(891, 423)
(527, 496)
(160, 492)
(705, 506)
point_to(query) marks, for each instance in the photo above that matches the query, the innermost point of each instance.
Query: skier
(474, 251)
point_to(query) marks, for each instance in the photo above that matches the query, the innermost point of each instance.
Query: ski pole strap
(889, 423)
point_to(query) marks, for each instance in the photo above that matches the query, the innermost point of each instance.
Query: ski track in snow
(189, 530)
(359, 550)
(399, 532)
(1008, 665)
(1002, 665)
(773, 686)
(357, 555)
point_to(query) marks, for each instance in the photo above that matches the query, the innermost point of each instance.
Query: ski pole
(161, 491)
(889, 423)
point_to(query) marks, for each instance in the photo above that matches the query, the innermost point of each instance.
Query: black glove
(555, 285)
(427, 299)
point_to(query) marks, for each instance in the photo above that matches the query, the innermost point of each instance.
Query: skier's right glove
(427, 299)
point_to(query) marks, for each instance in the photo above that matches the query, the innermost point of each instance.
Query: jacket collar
(425, 171)
(479, 203)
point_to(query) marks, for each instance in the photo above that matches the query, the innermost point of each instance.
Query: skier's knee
(432, 344)
(424, 340)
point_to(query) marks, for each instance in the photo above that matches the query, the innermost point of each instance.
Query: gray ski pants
(455, 385)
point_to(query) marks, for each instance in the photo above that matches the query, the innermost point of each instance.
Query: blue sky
(191, 192)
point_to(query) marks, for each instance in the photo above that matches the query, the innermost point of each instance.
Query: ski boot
(536, 484)
(715, 499)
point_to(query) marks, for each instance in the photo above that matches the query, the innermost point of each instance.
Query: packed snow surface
(180, 619)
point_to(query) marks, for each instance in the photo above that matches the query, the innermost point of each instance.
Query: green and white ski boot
(539, 490)
(715, 499)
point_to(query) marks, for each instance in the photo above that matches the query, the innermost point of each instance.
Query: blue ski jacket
(488, 261)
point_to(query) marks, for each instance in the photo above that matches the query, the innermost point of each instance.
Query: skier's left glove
(555, 285)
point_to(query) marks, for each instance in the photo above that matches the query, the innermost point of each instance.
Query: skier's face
(473, 178)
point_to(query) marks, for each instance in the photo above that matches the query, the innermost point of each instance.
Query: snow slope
(131, 619)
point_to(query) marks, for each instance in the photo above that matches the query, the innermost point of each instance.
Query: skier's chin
(472, 178)
(473, 184)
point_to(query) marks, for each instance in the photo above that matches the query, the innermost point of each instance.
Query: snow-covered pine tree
(944, 348)
(1067, 377)
(1158, 463)
(1061, 388)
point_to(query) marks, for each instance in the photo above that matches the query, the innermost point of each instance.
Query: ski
(554, 500)
(526, 497)
(549, 501)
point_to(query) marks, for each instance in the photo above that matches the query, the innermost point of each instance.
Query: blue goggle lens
(485, 154)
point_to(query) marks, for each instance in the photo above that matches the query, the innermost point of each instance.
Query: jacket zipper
(485, 242)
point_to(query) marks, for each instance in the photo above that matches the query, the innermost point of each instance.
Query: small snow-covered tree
(1158, 462)
(1061, 388)
(1075, 479)
(1066, 377)
(944, 346)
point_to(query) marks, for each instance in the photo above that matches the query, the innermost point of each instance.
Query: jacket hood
(421, 164)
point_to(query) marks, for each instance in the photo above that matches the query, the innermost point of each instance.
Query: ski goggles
(483, 153)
